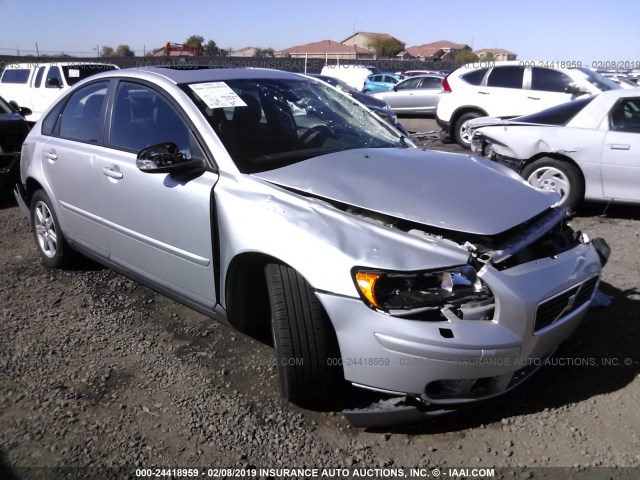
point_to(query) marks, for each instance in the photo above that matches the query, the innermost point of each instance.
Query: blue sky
(586, 30)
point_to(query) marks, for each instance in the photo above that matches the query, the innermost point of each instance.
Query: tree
(195, 41)
(489, 57)
(466, 56)
(211, 48)
(385, 46)
(264, 52)
(124, 51)
(107, 51)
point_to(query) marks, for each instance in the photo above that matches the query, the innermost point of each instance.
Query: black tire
(306, 346)
(52, 246)
(367, 92)
(459, 130)
(558, 172)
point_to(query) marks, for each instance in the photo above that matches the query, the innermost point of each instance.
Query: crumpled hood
(444, 190)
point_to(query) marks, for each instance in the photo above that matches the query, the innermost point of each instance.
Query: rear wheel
(558, 176)
(54, 249)
(306, 346)
(461, 130)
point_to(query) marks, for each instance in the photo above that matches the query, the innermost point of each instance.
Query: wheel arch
(461, 111)
(555, 156)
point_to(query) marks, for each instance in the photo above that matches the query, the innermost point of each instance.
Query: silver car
(414, 95)
(274, 203)
(584, 149)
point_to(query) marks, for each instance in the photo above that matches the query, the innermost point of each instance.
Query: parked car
(622, 80)
(377, 106)
(413, 73)
(36, 85)
(585, 149)
(414, 95)
(13, 131)
(509, 89)
(277, 204)
(352, 75)
(380, 82)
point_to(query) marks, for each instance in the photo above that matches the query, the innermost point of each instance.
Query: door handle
(483, 93)
(112, 172)
(51, 155)
(619, 146)
(533, 98)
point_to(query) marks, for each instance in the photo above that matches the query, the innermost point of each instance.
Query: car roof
(37, 63)
(178, 76)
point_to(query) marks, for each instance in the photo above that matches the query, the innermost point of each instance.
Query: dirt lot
(96, 370)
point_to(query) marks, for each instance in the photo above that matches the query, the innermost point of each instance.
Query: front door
(158, 225)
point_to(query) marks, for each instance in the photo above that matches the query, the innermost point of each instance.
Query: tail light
(445, 85)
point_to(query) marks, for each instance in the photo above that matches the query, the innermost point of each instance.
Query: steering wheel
(315, 135)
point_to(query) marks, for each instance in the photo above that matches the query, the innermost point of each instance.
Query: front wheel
(461, 130)
(306, 346)
(557, 176)
(53, 248)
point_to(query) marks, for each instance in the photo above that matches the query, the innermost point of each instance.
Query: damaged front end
(494, 150)
(457, 301)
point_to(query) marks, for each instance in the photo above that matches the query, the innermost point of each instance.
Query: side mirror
(24, 111)
(165, 158)
(574, 89)
(54, 82)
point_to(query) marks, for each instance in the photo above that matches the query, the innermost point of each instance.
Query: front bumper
(448, 363)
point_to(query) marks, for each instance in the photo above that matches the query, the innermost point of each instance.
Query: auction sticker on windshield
(217, 95)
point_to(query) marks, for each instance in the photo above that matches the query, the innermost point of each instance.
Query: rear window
(74, 73)
(558, 115)
(16, 75)
(506, 77)
(475, 77)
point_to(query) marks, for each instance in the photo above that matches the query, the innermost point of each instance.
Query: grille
(553, 309)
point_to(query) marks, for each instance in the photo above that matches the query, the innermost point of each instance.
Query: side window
(16, 75)
(389, 79)
(475, 77)
(506, 77)
(625, 116)
(142, 118)
(548, 80)
(431, 83)
(49, 123)
(54, 78)
(409, 84)
(38, 80)
(82, 116)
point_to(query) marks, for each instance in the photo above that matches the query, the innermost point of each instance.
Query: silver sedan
(587, 149)
(414, 95)
(279, 205)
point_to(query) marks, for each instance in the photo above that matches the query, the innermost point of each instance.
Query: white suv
(509, 89)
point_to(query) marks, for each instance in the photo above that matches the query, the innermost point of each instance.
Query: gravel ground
(96, 370)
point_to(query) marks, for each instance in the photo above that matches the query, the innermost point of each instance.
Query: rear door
(502, 94)
(158, 225)
(70, 154)
(621, 155)
(427, 96)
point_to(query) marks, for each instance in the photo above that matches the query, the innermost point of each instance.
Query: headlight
(481, 146)
(390, 291)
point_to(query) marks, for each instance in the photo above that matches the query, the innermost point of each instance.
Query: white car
(585, 149)
(36, 85)
(509, 89)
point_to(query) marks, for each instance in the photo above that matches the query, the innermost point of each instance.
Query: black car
(13, 131)
(379, 107)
